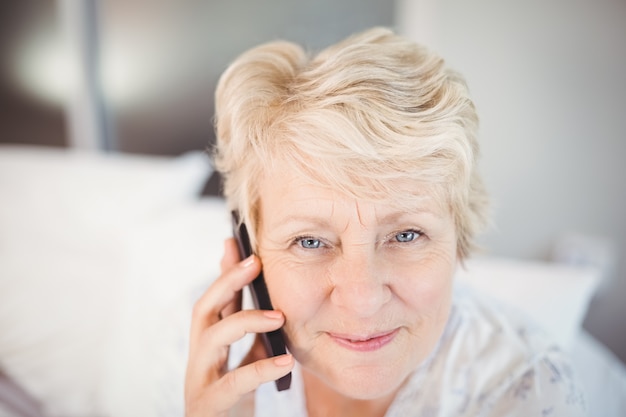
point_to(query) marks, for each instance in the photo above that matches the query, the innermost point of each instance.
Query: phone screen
(273, 341)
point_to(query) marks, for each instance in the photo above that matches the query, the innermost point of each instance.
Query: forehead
(288, 192)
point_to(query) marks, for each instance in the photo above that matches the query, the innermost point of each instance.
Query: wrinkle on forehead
(381, 182)
(288, 195)
(296, 200)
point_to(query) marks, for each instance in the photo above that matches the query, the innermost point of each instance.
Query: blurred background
(549, 80)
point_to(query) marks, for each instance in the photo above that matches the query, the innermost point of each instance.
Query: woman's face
(365, 287)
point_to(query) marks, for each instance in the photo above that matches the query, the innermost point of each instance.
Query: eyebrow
(323, 221)
(309, 220)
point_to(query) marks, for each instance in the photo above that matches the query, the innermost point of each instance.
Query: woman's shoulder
(492, 360)
(521, 367)
(481, 323)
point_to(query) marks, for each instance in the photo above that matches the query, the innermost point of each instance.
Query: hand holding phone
(212, 388)
(273, 341)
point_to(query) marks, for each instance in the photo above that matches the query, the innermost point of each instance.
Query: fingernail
(273, 314)
(248, 261)
(283, 360)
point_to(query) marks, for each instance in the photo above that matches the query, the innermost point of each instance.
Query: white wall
(549, 80)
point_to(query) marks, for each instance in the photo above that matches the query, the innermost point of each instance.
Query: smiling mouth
(368, 343)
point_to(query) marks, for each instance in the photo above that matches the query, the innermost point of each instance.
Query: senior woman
(355, 172)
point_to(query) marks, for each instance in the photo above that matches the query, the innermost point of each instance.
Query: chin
(365, 383)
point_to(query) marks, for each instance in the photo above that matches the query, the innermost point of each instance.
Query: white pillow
(66, 218)
(173, 260)
(55, 316)
(555, 296)
(43, 189)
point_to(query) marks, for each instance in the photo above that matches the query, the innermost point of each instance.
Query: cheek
(426, 286)
(296, 290)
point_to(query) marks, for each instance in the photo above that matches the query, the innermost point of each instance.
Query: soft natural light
(48, 70)
(45, 69)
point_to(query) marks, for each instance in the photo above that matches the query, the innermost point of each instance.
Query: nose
(359, 286)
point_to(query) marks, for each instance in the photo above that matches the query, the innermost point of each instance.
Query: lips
(364, 343)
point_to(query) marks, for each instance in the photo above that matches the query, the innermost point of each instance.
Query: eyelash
(416, 232)
(299, 239)
(391, 237)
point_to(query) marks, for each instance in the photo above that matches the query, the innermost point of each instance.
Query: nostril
(364, 299)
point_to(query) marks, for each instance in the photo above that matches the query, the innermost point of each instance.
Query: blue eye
(309, 243)
(407, 236)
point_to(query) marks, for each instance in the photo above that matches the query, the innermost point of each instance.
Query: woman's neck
(323, 401)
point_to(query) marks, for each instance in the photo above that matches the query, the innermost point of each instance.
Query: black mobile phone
(273, 341)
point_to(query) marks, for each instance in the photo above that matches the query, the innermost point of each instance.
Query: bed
(103, 256)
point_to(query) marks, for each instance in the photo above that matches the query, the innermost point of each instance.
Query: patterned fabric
(489, 362)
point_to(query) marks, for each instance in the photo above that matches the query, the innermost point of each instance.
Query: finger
(241, 381)
(208, 360)
(236, 326)
(231, 255)
(220, 294)
(229, 260)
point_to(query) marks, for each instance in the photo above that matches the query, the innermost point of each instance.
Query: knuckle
(209, 340)
(240, 381)
(231, 382)
(258, 369)
(200, 307)
(197, 309)
(225, 264)
(202, 310)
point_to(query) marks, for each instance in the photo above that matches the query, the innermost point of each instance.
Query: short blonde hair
(370, 111)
